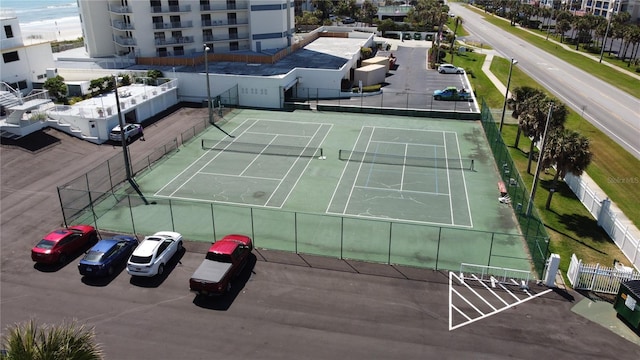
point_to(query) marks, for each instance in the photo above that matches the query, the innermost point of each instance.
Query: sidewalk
(632, 230)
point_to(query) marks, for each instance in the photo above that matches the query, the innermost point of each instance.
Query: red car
(59, 244)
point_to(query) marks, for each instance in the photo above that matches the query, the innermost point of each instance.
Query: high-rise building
(164, 28)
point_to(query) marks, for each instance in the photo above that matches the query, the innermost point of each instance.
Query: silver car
(450, 69)
(130, 131)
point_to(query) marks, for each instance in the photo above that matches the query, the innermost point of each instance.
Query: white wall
(280, 21)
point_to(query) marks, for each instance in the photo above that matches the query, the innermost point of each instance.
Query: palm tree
(458, 21)
(521, 97)
(67, 341)
(534, 117)
(569, 151)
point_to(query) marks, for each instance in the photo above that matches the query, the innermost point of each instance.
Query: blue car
(107, 256)
(452, 93)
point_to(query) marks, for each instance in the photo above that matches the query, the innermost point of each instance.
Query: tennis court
(260, 167)
(400, 174)
(381, 188)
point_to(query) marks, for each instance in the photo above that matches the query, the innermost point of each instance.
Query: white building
(23, 62)
(600, 7)
(163, 28)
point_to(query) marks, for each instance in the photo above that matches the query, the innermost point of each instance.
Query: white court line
(404, 166)
(464, 182)
(245, 176)
(446, 160)
(256, 157)
(406, 143)
(344, 170)
(276, 134)
(198, 171)
(210, 202)
(291, 168)
(308, 163)
(388, 218)
(157, 193)
(400, 190)
(358, 173)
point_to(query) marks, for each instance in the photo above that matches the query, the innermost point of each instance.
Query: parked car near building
(130, 131)
(452, 93)
(450, 69)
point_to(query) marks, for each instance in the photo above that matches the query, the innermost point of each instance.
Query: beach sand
(51, 30)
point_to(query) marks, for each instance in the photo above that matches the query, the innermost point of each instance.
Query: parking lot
(286, 307)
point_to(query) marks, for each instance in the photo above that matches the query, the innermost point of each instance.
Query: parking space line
(454, 295)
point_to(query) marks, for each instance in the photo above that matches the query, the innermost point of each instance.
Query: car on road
(58, 245)
(348, 20)
(450, 69)
(153, 253)
(130, 131)
(452, 93)
(108, 255)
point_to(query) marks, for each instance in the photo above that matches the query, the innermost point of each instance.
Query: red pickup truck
(224, 261)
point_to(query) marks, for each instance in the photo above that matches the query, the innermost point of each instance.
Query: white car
(153, 253)
(130, 131)
(450, 69)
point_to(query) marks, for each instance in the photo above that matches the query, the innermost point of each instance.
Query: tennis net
(419, 161)
(262, 149)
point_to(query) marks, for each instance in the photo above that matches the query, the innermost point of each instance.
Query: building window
(8, 31)
(178, 50)
(10, 57)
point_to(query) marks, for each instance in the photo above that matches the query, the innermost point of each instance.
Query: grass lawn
(571, 227)
(622, 81)
(613, 168)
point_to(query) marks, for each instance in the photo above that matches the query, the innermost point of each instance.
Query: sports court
(382, 188)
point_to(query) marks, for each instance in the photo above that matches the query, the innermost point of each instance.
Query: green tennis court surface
(371, 187)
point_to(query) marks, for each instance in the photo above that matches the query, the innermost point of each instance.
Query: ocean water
(31, 11)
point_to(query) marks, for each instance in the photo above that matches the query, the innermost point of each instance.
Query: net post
(322, 157)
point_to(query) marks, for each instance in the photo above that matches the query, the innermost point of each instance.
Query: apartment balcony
(225, 37)
(187, 52)
(121, 25)
(118, 9)
(224, 6)
(170, 9)
(173, 25)
(174, 41)
(125, 41)
(212, 23)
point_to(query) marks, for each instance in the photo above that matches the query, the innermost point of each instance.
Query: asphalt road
(283, 307)
(613, 111)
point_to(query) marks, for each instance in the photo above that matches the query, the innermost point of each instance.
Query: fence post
(64, 217)
(491, 248)
(438, 248)
(595, 273)
(213, 222)
(133, 222)
(173, 225)
(389, 253)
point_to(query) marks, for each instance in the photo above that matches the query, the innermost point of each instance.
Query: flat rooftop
(323, 53)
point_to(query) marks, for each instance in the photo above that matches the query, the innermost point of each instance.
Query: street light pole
(206, 70)
(606, 33)
(125, 151)
(506, 94)
(536, 176)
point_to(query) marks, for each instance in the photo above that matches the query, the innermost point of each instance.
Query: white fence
(598, 278)
(612, 223)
